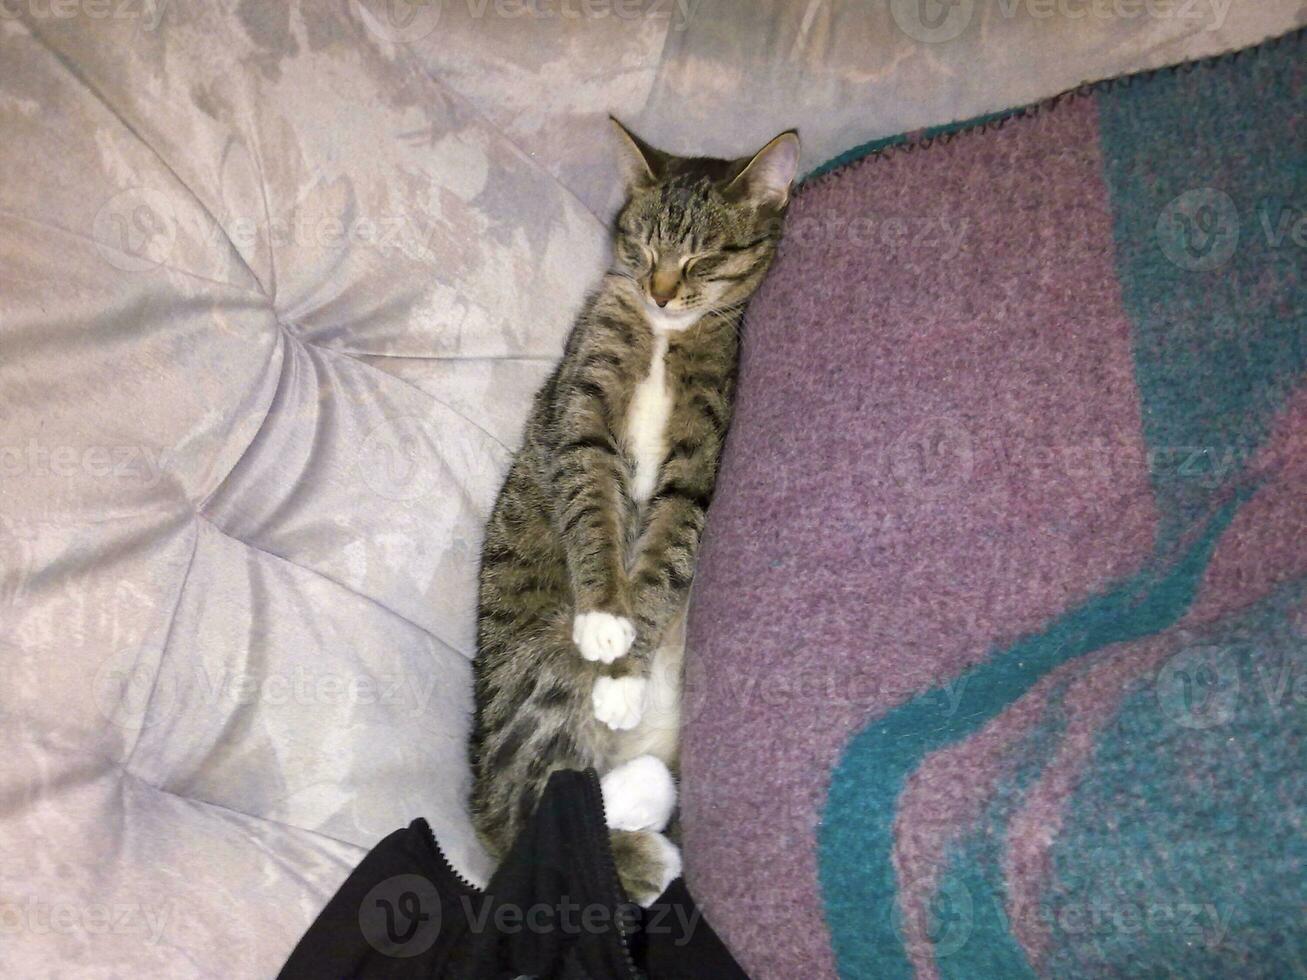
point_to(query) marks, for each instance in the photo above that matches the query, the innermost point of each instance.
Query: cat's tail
(639, 797)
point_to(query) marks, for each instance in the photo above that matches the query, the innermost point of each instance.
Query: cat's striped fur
(591, 546)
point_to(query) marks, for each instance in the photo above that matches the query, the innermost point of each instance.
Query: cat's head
(696, 233)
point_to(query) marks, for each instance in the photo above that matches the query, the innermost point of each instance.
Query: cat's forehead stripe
(681, 203)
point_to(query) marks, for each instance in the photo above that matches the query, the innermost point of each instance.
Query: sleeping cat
(591, 546)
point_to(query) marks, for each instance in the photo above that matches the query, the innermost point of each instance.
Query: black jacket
(554, 910)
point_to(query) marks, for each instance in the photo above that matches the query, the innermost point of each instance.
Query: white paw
(619, 701)
(602, 636)
(639, 795)
(671, 866)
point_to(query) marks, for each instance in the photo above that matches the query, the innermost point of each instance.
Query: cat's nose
(662, 286)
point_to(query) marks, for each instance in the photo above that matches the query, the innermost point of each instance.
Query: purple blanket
(998, 653)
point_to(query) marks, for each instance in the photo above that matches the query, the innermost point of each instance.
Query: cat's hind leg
(639, 794)
(639, 798)
(647, 863)
(535, 716)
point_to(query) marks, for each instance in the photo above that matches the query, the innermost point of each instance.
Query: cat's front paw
(602, 636)
(619, 701)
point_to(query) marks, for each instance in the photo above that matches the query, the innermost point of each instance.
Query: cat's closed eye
(698, 266)
(635, 255)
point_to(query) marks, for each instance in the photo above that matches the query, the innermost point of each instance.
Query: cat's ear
(641, 164)
(766, 178)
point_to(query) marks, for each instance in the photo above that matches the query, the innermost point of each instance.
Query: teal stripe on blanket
(1205, 168)
(859, 815)
(1183, 850)
(1207, 172)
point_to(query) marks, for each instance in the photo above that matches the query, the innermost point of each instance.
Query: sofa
(277, 283)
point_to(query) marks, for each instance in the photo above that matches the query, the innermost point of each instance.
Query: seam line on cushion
(334, 581)
(81, 236)
(925, 138)
(256, 153)
(167, 639)
(372, 368)
(285, 336)
(140, 138)
(660, 65)
(417, 67)
(360, 354)
(233, 810)
(278, 350)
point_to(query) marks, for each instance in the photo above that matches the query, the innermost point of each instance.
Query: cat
(591, 545)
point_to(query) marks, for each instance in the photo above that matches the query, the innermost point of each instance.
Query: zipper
(445, 864)
(605, 851)
(601, 846)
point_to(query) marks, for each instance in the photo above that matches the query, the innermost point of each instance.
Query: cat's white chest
(646, 422)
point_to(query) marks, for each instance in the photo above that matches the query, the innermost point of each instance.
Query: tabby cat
(592, 543)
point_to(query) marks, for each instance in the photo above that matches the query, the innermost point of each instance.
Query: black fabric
(554, 910)
(674, 942)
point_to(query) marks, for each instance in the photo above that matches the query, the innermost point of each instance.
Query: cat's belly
(659, 730)
(646, 423)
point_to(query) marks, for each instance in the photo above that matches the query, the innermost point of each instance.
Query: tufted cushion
(277, 281)
(261, 375)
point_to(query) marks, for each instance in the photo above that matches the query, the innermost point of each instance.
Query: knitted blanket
(998, 653)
